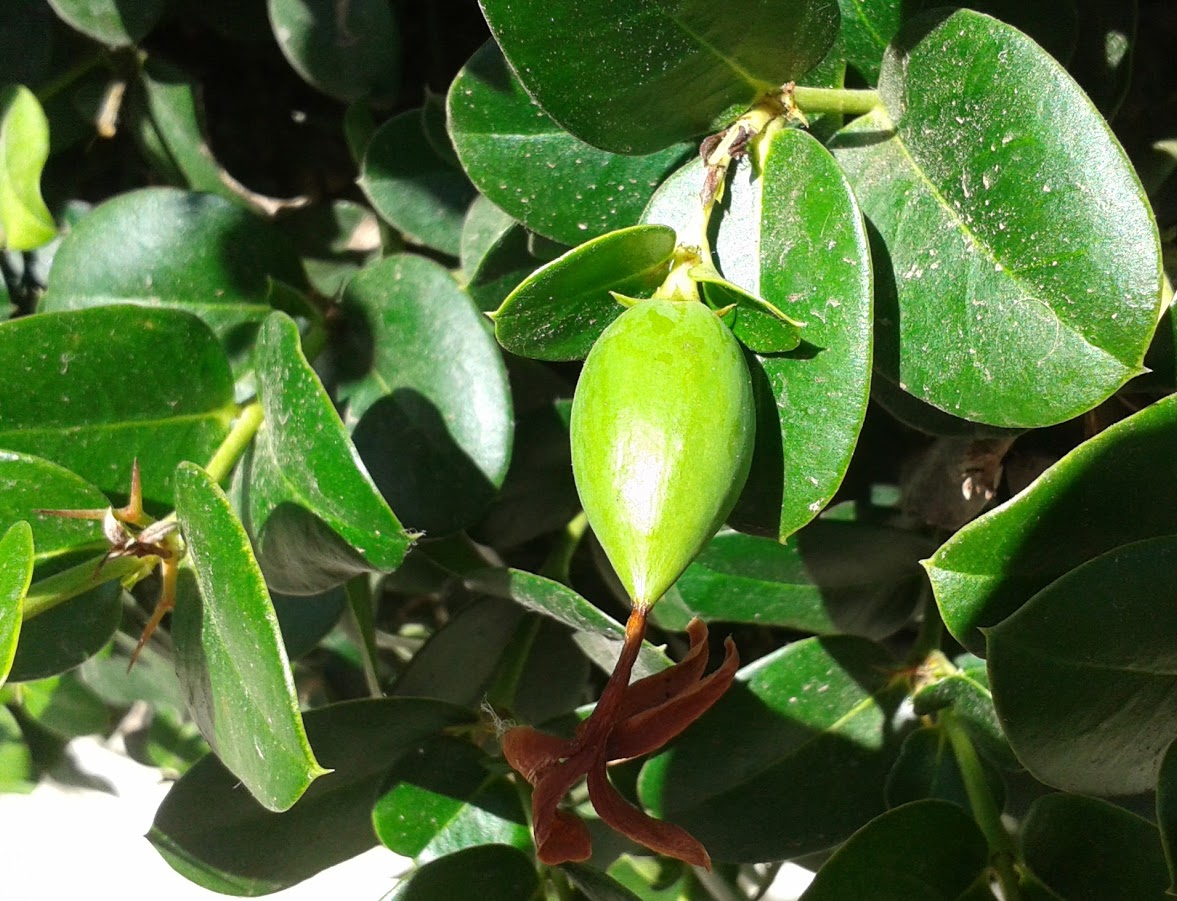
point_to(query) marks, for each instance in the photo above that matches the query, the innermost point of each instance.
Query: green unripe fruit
(662, 432)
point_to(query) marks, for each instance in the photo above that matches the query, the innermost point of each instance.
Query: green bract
(662, 433)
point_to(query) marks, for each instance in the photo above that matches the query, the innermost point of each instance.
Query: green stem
(556, 567)
(835, 100)
(69, 583)
(1002, 853)
(248, 421)
(359, 598)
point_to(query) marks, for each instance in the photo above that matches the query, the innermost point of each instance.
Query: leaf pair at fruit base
(629, 721)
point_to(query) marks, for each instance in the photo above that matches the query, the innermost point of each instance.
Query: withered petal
(530, 752)
(553, 784)
(634, 823)
(567, 841)
(661, 687)
(649, 730)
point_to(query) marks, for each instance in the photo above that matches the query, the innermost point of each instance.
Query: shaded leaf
(197, 252)
(229, 654)
(623, 88)
(215, 834)
(25, 221)
(1005, 228)
(126, 382)
(821, 750)
(412, 188)
(1083, 675)
(832, 577)
(1073, 512)
(431, 411)
(1084, 848)
(927, 850)
(1167, 810)
(559, 311)
(29, 484)
(549, 180)
(349, 51)
(314, 510)
(487, 872)
(441, 798)
(112, 22)
(927, 768)
(66, 635)
(966, 690)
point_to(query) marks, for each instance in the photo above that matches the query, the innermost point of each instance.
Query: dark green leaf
(597, 886)
(1005, 228)
(966, 690)
(334, 241)
(433, 125)
(25, 221)
(646, 75)
(29, 484)
(411, 187)
(1085, 849)
(317, 516)
(65, 706)
(16, 571)
(431, 410)
(112, 22)
(927, 768)
(229, 654)
(488, 872)
(793, 235)
(161, 246)
(17, 773)
(867, 29)
(218, 836)
(442, 799)
(597, 634)
(64, 636)
(495, 254)
(1083, 675)
(759, 325)
(349, 51)
(306, 620)
(832, 577)
(560, 310)
(923, 851)
(552, 182)
(477, 637)
(1167, 810)
(125, 382)
(822, 745)
(1070, 514)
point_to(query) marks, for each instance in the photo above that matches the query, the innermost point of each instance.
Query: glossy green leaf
(444, 799)
(759, 325)
(484, 227)
(477, 636)
(1005, 228)
(965, 688)
(927, 768)
(65, 706)
(1167, 810)
(923, 851)
(349, 51)
(866, 30)
(161, 246)
(25, 221)
(229, 653)
(647, 75)
(16, 571)
(29, 484)
(598, 635)
(317, 517)
(431, 413)
(126, 382)
(795, 237)
(560, 310)
(218, 836)
(112, 22)
(1073, 512)
(61, 638)
(1084, 848)
(832, 577)
(552, 182)
(1083, 676)
(412, 188)
(488, 872)
(822, 746)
